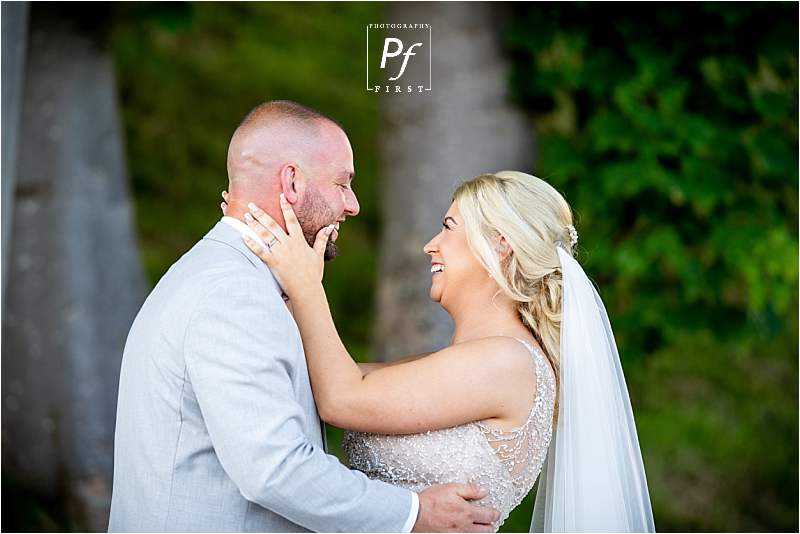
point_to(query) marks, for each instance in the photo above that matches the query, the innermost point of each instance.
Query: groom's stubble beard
(313, 215)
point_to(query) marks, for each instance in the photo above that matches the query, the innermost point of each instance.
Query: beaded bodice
(505, 462)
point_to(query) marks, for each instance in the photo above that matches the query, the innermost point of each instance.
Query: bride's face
(454, 268)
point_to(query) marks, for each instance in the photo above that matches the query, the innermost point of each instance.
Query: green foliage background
(672, 131)
(670, 128)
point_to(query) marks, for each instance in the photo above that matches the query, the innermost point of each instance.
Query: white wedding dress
(505, 462)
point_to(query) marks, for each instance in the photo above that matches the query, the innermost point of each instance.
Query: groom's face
(328, 196)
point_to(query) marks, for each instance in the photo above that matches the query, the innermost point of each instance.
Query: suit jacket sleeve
(239, 359)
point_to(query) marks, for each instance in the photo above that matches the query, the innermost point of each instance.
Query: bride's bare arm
(462, 383)
(367, 368)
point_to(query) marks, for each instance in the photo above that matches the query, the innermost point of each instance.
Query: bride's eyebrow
(451, 219)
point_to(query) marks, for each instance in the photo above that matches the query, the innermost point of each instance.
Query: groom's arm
(239, 351)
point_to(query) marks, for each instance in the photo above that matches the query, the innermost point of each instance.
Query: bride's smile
(454, 266)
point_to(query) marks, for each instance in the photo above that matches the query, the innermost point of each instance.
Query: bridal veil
(593, 479)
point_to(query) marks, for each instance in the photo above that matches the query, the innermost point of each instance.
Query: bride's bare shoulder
(502, 354)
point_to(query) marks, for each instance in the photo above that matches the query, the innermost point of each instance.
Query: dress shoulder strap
(528, 346)
(539, 357)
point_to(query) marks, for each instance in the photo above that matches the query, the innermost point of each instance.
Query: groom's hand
(447, 508)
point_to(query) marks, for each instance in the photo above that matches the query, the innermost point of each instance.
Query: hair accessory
(573, 234)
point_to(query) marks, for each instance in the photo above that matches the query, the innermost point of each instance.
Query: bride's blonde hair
(531, 216)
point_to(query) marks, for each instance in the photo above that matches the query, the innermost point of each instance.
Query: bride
(531, 383)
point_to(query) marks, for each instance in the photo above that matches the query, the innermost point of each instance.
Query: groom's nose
(351, 206)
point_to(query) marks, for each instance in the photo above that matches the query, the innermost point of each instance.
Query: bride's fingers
(322, 240)
(224, 204)
(261, 231)
(292, 224)
(258, 250)
(266, 222)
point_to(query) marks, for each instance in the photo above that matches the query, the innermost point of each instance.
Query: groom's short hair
(289, 110)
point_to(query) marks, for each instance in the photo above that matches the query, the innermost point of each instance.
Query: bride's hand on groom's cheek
(291, 260)
(224, 204)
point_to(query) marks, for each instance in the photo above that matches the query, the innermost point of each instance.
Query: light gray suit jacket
(216, 424)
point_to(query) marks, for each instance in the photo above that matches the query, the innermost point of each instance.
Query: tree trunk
(15, 38)
(75, 279)
(430, 142)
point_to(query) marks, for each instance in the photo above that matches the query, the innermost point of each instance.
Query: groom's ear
(289, 182)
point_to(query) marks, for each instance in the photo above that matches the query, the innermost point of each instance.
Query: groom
(216, 424)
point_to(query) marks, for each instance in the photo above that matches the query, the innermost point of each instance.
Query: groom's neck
(237, 209)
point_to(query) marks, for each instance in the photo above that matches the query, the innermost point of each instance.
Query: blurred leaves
(189, 72)
(672, 131)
